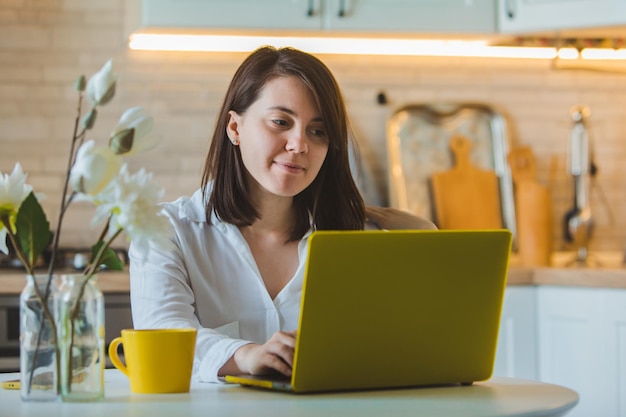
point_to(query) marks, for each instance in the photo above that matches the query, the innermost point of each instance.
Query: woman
(277, 169)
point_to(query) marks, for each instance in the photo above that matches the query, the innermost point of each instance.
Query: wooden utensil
(533, 209)
(466, 196)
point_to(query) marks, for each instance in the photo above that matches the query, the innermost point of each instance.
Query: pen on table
(11, 384)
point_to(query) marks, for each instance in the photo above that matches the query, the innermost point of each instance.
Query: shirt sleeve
(162, 297)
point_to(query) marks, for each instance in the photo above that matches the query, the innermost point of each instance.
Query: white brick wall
(46, 44)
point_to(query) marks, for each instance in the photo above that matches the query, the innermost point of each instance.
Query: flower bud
(141, 139)
(101, 85)
(89, 119)
(122, 142)
(80, 83)
(94, 168)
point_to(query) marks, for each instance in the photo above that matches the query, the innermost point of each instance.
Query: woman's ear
(232, 127)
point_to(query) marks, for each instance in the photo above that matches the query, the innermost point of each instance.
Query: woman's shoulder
(391, 218)
(186, 208)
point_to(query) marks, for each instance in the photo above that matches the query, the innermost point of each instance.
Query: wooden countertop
(573, 277)
(12, 282)
(609, 274)
(605, 270)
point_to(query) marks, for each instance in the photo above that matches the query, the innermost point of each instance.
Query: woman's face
(282, 138)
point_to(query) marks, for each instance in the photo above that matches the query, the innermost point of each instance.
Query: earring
(234, 141)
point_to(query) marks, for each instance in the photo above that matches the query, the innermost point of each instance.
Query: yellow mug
(157, 360)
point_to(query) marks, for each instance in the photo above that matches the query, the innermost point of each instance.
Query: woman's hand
(275, 355)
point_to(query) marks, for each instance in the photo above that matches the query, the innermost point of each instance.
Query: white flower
(132, 133)
(94, 168)
(131, 201)
(13, 191)
(101, 85)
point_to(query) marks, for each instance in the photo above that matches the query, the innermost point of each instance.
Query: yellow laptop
(386, 309)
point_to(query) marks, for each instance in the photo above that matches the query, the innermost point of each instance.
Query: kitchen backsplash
(46, 44)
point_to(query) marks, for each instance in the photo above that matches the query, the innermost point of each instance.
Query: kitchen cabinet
(451, 16)
(524, 16)
(582, 334)
(516, 355)
(230, 14)
(383, 16)
(567, 335)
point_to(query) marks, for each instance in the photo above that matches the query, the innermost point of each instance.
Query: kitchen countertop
(573, 277)
(13, 281)
(607, 272)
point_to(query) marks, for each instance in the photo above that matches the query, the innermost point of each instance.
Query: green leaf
(109, 258)
(33, 228)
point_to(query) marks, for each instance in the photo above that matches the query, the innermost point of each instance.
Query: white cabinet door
(232, 14)
(522, 16)
(615, 302)
(570, 336)
(582, 332)
(516, 355)
(412, 16)
(392, 16)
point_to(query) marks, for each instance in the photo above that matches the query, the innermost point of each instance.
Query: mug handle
(115, 359)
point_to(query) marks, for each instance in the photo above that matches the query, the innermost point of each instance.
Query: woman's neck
(276, 214)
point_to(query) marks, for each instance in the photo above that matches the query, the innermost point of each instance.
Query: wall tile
(17, 38)
(46, 44)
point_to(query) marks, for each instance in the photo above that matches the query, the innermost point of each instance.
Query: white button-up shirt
(209, 280)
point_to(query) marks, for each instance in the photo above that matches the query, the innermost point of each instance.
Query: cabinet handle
(310, 12)
(510, 8)
(342, 8)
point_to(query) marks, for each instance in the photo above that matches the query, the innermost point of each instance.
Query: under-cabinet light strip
(363, 46)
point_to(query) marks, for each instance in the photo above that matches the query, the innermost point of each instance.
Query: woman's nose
(296, 142)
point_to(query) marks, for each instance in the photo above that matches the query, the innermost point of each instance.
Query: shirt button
(224, 228)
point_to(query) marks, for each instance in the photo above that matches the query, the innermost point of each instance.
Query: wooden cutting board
(533, 209)
(466, 196)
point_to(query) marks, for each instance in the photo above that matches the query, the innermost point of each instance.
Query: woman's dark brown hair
(332, 200)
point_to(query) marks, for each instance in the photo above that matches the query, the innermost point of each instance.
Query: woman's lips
(290, 167)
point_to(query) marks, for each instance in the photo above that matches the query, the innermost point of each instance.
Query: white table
(496, 397)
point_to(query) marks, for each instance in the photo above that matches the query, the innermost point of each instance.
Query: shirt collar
(194, 210)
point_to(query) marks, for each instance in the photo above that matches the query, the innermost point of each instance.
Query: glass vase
(38, 340)
(80, 322)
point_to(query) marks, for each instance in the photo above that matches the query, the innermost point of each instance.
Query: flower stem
(57, 235)
(64, 203)
(43, 300)
(104, 232)
(76, 307)
(48, 315)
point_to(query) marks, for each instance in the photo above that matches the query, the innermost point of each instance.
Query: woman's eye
(318, 132)
(279, 122)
